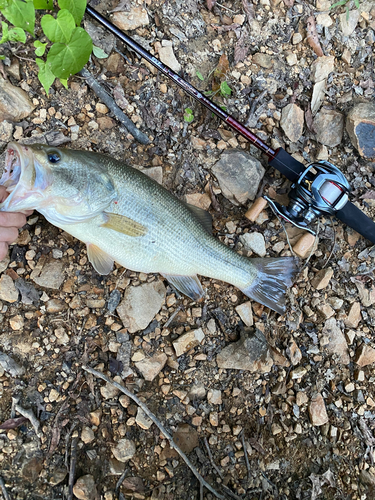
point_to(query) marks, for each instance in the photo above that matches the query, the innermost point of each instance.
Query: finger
(8, 234)
(3, 194)
(27, 212)
(12, 219)
(3, 250)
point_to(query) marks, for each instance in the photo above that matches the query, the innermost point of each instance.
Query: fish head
(70, 184)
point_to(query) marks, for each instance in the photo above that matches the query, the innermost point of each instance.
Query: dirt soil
(300, 426)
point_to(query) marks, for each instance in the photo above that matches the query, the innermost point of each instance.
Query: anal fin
(188, 285)
(123, 224)
(101, 261)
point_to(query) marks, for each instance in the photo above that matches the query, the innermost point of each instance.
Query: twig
(4, 490)
(72, 468)
(30, 415)
(172, 317)
(121, 480)
(333, 245)
(230, 493)
(158, 424)
(226, 8)
(110, 103)
(245, 453)
(211, 459)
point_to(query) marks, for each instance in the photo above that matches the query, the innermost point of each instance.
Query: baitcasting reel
(321, 189)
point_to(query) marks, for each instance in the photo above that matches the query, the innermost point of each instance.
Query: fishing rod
(319, 189)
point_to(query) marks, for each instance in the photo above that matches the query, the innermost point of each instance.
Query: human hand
(9, 224)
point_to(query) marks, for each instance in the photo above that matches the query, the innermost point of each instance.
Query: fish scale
(122, 215)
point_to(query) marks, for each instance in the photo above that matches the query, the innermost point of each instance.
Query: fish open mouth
(19, 177)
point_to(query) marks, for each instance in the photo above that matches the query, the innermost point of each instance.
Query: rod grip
(287, 165)
(357, 220)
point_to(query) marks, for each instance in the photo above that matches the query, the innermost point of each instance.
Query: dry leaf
(241, 50)
(312, 36)
(222, 68)
(13, 423)
(318, 96)
(369, 195)
(249, 10)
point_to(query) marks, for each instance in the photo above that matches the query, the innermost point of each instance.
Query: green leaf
(59, 29)
(4, 32)
(75, 7)
(68, 59)
(337, 4)
(40, 47)
(21, 14)
(17, 35)
(356, 3)
(347, 13)
(2, 57)
(43, 4)
(3, 4)
(64, 82)
(225, 90)
(199, 75)
(45, 75)
(98, 52)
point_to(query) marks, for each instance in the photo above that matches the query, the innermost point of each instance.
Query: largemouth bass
(124, 216)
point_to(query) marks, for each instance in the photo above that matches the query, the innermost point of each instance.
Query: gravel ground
(265, 406)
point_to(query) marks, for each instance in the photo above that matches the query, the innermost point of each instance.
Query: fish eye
(54, 157)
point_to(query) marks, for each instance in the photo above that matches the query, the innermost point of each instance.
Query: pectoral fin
(101, 261)
(188, 285)
(204, 217)
(124, 225)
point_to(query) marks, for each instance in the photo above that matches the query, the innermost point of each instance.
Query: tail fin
(273, 278)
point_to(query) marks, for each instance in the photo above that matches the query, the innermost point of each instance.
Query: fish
(124, 216)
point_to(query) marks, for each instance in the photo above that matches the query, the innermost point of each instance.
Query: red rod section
(190, 89)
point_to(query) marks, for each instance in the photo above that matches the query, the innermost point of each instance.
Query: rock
(95, 417)
(325, 310)
(24, 238)
(291, 121)
(256, 208)
(16, 322)
(254, 242)
(167, 56)
(151, 367)
(304, 245)
(56, 305)
(214, 397)
(245, 312)
(109, 391)
(188, 341)
(239, 175)
(186, 437)
(155, 173)
(140, 304)
(49, 274)
(29, 294)
(250, 353)
(202, 201)
(6, 132)
(85, 488)
(336, 341)
(132, 19)
(197, 392)
(322, 278)
(14, 102)
(349, 21)
(324, 20)
(322, 67)
(294, 353)
(114, 300)
(95, 303)
(106, 123)
(317, 411)
(8, 291)
(329, 126)
(354, 315)
(10, 366)
(4, 263)
(62, 337)
(263, 60)
(124, 450)
(360, 125)
(318, 96)
(143, 420)
(87, 435)
(366, 293)
(364, 355)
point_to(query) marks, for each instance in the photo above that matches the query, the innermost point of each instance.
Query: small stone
(239, 175)
(151, 367)
(87, 435)
(298, 373)
(214, 397)
(214, 419)
(294, 353)
(354, 315)
(51, 275)
(321, 68)
(349, 21)
(317, 411)
(329, 125)
(202, 201)
(8, 291)
(15, 104)
(95, 417)
(108, 391)
(326, 310)
(16, 322)
(85, 488)
(186, 437)
(168, 57)
(53, 395)
(6, 131)
(55, 305)
(324, 20)
(95, 303)
(364, 355)
(250, 353)
(106, 123)
(304, 245)
(239, 19)
(101, 108)
(131, 19)
(140, 305)
(276, 429)
(322, 278)
(291, 59)
(301, 398)
(143, 420)
(163, 88)
(337, 344)
(188, 341)
(292, 119)
(263, 60)
(360, 125)
(256, 208)
(124, 450)
(346, 56)
(349, 387)
(254, 242)
(245, 312)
